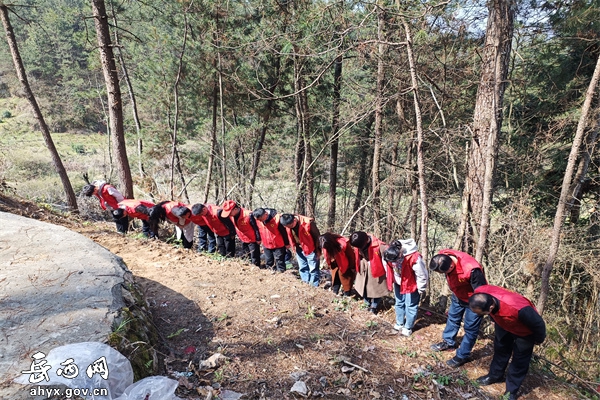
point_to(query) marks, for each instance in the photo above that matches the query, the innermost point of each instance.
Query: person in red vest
(109, 198)
(207, 242)
(303, 236)
(177, 214)
(518, 328)
(140, 209)
(273, 236)
(245, 228)
(407, 276)
(463, 274)
(221, 226)
(371, 281)
(339, 256)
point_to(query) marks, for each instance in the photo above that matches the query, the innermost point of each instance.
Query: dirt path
(275, 330)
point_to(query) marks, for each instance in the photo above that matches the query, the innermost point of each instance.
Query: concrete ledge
(59, 287)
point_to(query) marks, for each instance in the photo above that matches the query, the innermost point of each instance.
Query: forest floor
(274, 331)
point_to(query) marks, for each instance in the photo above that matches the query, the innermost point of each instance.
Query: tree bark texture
(566, 185)
(378, 124)
(115, 104)
(20, 70)
(487, 121)
(213, 141)
(335, 140)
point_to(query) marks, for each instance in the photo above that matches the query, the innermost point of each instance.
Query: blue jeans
(406, 307)
(206, 239)
(471, 324)
(308, 266)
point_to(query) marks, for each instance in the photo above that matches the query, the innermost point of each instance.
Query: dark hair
(197, 208)
(393, 252)
(360, 240)
(180, 211)
(481, 301)
(142, 209)
(88, 190)
(258, 212)
(118, 213)
(440, 263)
(158, 213)
(329, 242)
(286, 219)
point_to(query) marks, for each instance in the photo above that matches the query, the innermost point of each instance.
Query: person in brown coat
(371, 282)
(339, 256)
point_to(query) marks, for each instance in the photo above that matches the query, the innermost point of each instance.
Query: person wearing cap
(407, 275)
(463, 274)
(371, 281)
(177, 214)
(221, 226)
(245, 228)
(339, 256)
(273, 236)
(140, 209)
(303, 236)
(109, 198)
(518, 328)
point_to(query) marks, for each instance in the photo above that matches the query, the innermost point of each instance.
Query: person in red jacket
(221, 226)
(177, 214)
(245, 228)
(273, 236)
(407, 276)
(339, 256)
(464, 275)
(140, 209)
(303, 236)
(371, 281)
(518, 328)
(109, 198)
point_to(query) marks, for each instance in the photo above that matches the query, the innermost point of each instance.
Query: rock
(323, 381)
(214, 361)
(300, 388)
(297, 375)
(346, 369)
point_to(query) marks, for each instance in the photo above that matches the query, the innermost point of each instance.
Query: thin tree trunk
(300, 165)
(363, 177)
(420, 158)
(378, 124)
(213, 142)
(566, 185)
(136, 119)
(115, 104)
(20, 70)
(579, 183)
(222, 112)
(335, 140)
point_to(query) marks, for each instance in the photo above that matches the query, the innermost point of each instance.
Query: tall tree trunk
(578, 188)
(487, 122)
(115, 104)
(213, 141)
(420, 158)
(20, 70)
(378, 123)
(335, 140)
(134, 111)
(566, 185)
(300, 156)
(363, 173)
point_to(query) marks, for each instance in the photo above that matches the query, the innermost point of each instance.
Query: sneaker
(406, 332)
(456, 361)
(398, 327)
(441, 346)
(511, 396)
(488, 380)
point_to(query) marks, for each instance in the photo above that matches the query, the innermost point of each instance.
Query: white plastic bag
(155, 387)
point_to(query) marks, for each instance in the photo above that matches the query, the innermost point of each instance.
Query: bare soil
(275, 330)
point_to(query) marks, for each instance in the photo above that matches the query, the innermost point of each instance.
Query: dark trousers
(521, 349)
(206, 239)
(148, 231)
(252, 251)
(226, 245)
(275, 257)
(122, 224)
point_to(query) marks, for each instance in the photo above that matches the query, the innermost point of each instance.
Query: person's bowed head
(394, 255)
(441, 263)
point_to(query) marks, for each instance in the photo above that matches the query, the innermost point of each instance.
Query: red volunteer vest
(214, 223)
(106, 198)
(269, 233)
(459, 279)
(377, 268)
(507, 317)
(129, 206)
(408, 280)
(169, 206)
(244, 230)
(341, 260)
(306, 240)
